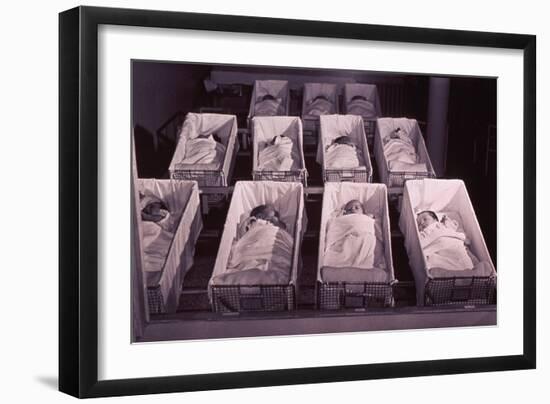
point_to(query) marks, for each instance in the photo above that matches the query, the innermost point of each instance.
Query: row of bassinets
(348, 288)
(212, 163)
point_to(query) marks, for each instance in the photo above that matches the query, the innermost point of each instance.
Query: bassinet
(181, 198)
(369, 288)
(475, 286)
(225, 127)
(363, 100)
(278, 89)
(288, 199)
(394, 180)
(327, 91)
(264, 129)
(333, 126)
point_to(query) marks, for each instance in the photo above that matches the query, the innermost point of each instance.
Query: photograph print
(291, 201)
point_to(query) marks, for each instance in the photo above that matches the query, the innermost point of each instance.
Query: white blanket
(278, 156)
(265, 247)
(362, 108)
(320, 106)
(157, 237)
(351, 241)
(342, 156)
(269, 107)
(401, 154)
(204, 151)
(444, 247)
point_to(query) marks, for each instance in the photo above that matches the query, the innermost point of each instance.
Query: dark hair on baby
(344, 140)
(358, 97)
(259, 211)
(268, 97)
(320, 97)
(431, 213)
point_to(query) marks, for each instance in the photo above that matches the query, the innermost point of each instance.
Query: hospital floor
(194, 296)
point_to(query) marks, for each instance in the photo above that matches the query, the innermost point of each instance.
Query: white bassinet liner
(264, 129)
(288, 199)
(384, 126)
(440, 196)
(275, 88)
(374, 199)
(313, 90)
(181, 197)
(369, 91)
(225, 126)
(334, 126)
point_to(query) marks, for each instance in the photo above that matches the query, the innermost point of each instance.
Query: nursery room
(288, 200)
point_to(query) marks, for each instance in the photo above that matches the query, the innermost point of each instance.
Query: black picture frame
(78, 196)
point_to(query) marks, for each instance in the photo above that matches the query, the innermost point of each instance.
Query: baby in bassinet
(158, 226)
(268, 105)
(206, 149)
(352, 240)
(261, 252)
(277, 155)
(359, 105)
(443, 245)
(400, 152)
(343, 154)
(266, 213)
(319, 105)
(355, 206)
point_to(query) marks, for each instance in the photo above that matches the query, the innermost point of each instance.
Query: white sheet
(439, 196)
(262, 254)
(287, 154)
(373, 197)
(203, 151)
(444, 247)
(352, 241)
(343, 156)
(182, 200)
(288, 200)
(363, 108)
(195, 125)
(320, 106)
(334, 126)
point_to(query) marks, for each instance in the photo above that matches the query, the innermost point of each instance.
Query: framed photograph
(256, 201)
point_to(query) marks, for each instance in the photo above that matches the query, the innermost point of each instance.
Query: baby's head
(353, 206)
(425, 218)
(358, 97)
(344, 140)
(268, 213)
(154, 211)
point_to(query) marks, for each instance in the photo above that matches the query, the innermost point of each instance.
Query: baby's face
(353, 207)
(424, 220)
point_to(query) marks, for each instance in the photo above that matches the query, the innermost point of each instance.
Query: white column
(438, 105)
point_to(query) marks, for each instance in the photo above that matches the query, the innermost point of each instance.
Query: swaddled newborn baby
(320, 105)
(351, 239)
(261, 252)
(158, 227)
(268, 105)
(343, 154)
(400, 152)
(277, 155)
(443, 245)
(262, 214)
(206, 148)
(359, 105)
